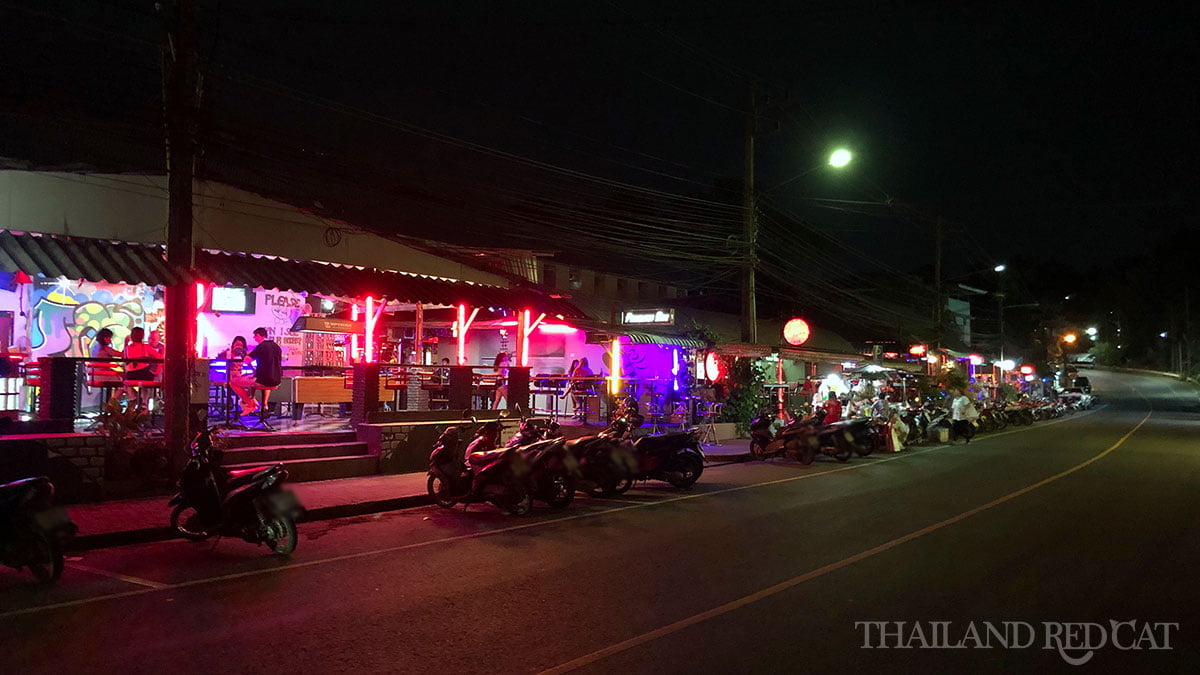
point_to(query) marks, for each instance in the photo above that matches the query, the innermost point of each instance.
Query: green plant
(1008, 392)
(704, 333)
(120, 423)
(744, 399)
(952, 379)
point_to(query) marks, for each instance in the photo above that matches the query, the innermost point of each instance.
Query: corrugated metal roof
(115, 262)
(88, 259)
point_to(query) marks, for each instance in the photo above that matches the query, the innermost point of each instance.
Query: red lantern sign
(917, 350)
(1026, 370)
(714, 369)
(796, 332)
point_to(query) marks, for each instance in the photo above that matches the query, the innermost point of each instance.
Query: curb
(150, 535)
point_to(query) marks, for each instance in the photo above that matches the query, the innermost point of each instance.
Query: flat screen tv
(232, 300)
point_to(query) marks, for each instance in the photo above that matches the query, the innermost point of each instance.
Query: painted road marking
(512, 528)
(626, 645)
(114, 575)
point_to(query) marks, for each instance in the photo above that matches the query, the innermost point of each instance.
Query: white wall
(134, 208)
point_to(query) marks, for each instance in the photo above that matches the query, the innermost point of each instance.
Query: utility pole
(180, 82)
(749, 293)
(937, 279)
(1000, 299)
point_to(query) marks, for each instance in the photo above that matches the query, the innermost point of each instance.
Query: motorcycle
(675, 457)
(552, 468)
(488, 474)
(33, 531)
(247, 503)
(794, 439)
(840, 439)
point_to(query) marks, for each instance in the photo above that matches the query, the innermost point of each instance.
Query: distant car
(1077, 396)
(1083, 383)
(1084, 360)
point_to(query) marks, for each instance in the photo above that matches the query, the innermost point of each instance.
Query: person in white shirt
(964, 413)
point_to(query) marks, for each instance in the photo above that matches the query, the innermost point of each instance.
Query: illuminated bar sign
(320, 324)
(648, 317)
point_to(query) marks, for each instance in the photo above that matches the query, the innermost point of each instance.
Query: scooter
(552, 468)
(675, 457)
(247, 503)
(795, 439)
(33, 531)
(488, 474)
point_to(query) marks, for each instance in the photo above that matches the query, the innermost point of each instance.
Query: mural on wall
(65, 315)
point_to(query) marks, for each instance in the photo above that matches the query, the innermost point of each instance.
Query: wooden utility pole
(749, 292)
(937, 280)
(179, 65)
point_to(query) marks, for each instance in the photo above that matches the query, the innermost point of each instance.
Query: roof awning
(95, 260)
(655, 339)
(100, 260)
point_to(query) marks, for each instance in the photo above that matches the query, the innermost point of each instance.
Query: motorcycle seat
(242, 473)
(11, 492)
(672, 439)
(485, 458)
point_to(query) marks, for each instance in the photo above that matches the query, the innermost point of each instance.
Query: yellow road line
(619, 647)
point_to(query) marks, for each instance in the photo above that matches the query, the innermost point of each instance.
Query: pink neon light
(462, 335)
(353, 355)
(369, 341)
(557, 328)
(525, 338)
(199, 295)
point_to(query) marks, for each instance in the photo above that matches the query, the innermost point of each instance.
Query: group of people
(267, 373)
(135, 371)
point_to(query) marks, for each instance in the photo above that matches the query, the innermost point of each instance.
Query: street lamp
(1070, 338)
(838, 160)
(999, 268)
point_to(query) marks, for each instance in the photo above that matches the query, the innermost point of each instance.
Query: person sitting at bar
(105, 374)
(268, 371)
(135, 348)
(154, 342)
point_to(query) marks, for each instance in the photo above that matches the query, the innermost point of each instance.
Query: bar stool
(655, 412)
(262, 410)
(153, 386)
(708, 413)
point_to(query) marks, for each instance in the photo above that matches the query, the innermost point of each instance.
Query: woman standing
(501, 367)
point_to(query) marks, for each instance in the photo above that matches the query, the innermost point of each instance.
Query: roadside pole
(179, 70)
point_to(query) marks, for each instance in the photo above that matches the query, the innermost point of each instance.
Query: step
(281, 453)
(258, 439)
(324, 468)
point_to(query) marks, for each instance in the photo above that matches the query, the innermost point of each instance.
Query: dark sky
(1031, 127)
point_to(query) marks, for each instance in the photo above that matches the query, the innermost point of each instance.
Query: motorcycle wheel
(1000, 421)
(47, 572)
(186, 521)
(605, 485)
(438, 490)
(560, 490)
(688, 472)
(623, 485)
(806, 454)
(842, 454)
(282, 540)
(757, 449)
(518, 502)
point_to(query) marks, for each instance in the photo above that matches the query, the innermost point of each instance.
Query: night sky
(1032, 128)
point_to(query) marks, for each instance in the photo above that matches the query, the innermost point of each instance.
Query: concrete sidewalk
(137, 521)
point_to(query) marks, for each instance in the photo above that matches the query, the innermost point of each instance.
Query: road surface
(763, 567)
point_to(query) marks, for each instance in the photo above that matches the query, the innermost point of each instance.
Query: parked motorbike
(794, 439)
(840, 439)
(552, 467)
(675, 457)
(488, 474)
(33, 531)
(247, 503)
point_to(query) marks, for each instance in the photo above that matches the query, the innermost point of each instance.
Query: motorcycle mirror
(474, 420)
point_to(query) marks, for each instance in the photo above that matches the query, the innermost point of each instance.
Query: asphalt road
(763, 567)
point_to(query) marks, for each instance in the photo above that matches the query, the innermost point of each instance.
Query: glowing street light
(1092, 331)
(840, 158)
(1069, 338)
(999, 268)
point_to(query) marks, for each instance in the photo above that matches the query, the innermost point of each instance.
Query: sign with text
(648, 317)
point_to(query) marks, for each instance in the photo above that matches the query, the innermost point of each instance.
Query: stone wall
(74, 462)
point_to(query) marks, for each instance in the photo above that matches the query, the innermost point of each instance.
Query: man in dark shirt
(268, 370)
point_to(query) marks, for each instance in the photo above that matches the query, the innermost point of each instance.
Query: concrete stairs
(307, 456)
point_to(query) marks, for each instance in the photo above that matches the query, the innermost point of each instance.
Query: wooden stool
(262, 410)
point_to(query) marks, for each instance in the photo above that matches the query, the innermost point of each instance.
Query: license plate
(52, 519)
(285, 502)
